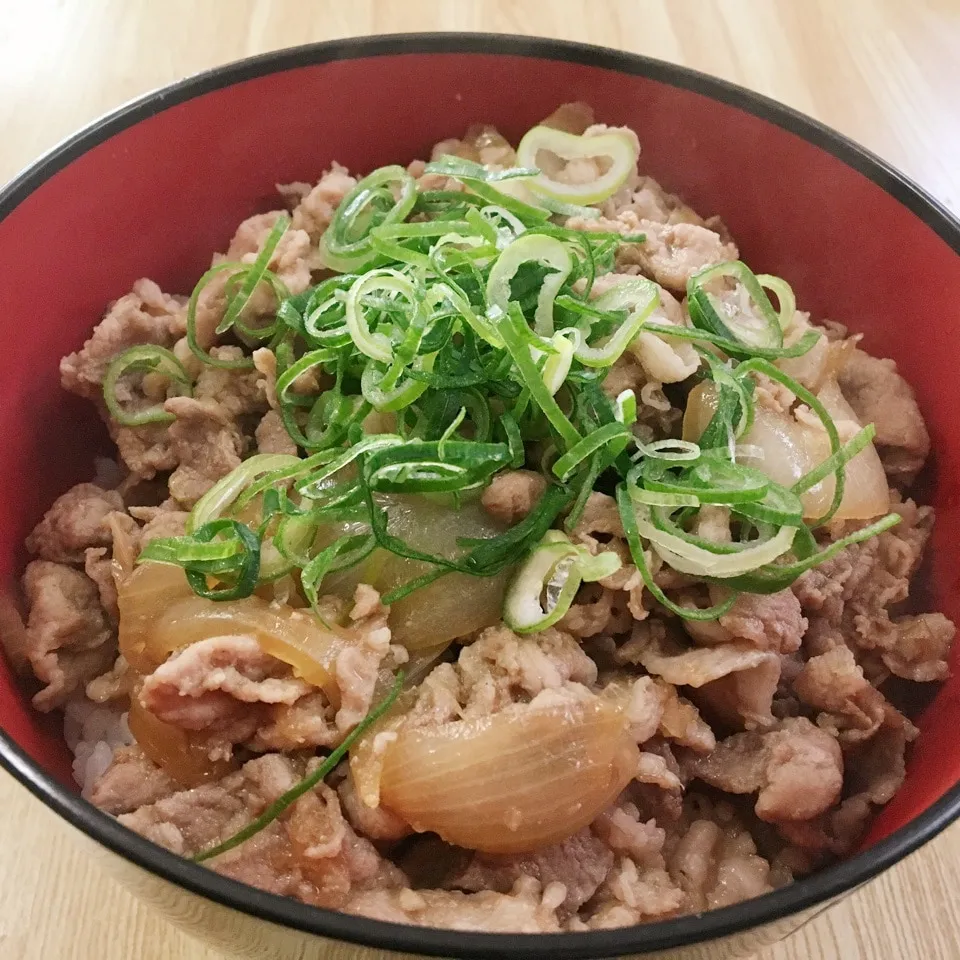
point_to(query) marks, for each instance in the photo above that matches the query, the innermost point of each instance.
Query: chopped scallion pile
(463, 321)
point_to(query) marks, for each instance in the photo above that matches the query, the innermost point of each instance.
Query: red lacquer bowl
(154, 188)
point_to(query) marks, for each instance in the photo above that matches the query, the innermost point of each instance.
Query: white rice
(93, 731)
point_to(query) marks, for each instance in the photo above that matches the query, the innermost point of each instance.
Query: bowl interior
(158, 197)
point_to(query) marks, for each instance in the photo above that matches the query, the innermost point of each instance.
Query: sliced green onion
(554, 570)
(286, 800)
(673, 451)
(764, 331)
(530, 248)
(433, 466)
(639, 297)
(343, 553)
(374, 344)
(462, 169)
(803, 394)
(404, 392)
(617, 145)
(784, 295)
(779, 506)
(556, 366)
(628, 518)
(221, 496)
(193, 552)
(733, 347)
(150, 359)
(346, 245)
(253, 275)
(654, 498)
(516, 335)
(550, 570)
(696, 561)
(777, 577)
(241, 363)
(625, 406)
(710, 479)
(610, 434)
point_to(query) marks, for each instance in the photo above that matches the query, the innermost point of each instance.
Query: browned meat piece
(672, 253)
(767, 621)
(624, 832)
(512, 495)
(160, 522)
(306, 724)
(272, 436)
(236, 391)
(131, 781)
(499, 667)
(211, 685)
(797, 769)
(145, 451)
(74, 522)
(737, 681)
(743, 698)
(649, 201)
(293, 257)
(68, 639)
(852, 593)
(879, 395)
(630, 895)
(716, 865)
(570, 117)
(116, 684)
(644, 700)
(600, 516)
(310, 853)
(358, 667)
(207, 446)
(656, 769)
(876, 771)
(315, 211)
(915, 647)
(580, 863)
(682, 723)
(524, 910)
(146, 315)
(99, 568)
(593, 613)
(853, 709)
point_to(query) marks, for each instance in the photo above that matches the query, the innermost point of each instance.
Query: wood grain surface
(885, 72)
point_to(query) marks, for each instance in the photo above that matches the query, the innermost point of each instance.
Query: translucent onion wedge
(143, 598)
(865, 493)
(785, 450)
(297, 637)
(514, 781)
(454, 605)
(181, 756)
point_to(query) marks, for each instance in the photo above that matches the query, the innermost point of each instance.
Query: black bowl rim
(820, 888)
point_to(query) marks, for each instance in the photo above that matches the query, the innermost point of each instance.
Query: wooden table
(885, 72)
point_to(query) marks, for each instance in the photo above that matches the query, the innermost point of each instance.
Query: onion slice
(512, 782)
(296, 637)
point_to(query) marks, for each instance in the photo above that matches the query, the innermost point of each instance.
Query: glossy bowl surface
(154, 188)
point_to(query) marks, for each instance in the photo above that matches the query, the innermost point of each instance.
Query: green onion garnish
(148, 359)
(459, 339)
(308, 783)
